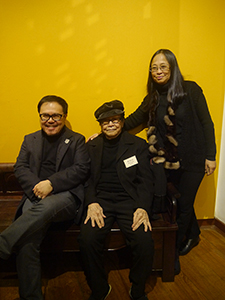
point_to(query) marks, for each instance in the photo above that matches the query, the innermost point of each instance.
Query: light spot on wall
(63, 80)
(93, 72)
(63, 68)
(68, 33)
(147, 11)
(93, 19)
(30, 24)
(73, 86)
(75, 3)
(99, 91)
(89, 8)
(40, 49)
(68, 19)
(37, 83)
(100, 55)
(109, 62)
(100, 78)
(100, 44)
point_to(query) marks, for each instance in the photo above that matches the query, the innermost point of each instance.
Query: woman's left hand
(210, 166)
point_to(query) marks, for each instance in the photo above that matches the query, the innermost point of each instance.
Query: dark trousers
(91, 240)
(25, 235)
(187, 184)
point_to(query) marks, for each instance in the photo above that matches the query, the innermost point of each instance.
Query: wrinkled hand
(93, 136)
(210, 166)
(141, 217)
(95, 213)
(42, 189)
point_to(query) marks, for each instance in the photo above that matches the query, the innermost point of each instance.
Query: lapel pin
(67, 141)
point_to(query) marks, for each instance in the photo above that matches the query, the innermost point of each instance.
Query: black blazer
(137, 180)
(72, 166)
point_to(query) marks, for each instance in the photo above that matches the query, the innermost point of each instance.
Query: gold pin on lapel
(67, 141)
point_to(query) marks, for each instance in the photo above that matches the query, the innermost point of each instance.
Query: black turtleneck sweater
(49, 153)
(109, 180)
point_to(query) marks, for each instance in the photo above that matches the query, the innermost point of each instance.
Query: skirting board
(209, 222)
(219, 224)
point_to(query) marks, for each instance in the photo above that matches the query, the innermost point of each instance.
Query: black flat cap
(109, 109)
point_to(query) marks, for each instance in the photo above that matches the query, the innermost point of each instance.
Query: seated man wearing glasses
(52, 166)
(120, 189)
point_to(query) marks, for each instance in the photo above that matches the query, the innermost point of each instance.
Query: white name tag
(131, 161)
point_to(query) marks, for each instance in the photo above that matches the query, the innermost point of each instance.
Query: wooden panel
(8, 182)
(7, 212)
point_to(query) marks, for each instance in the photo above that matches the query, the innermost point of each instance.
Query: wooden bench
(63, 237)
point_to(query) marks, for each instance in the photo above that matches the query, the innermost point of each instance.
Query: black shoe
(191, 243)
(109, 291)
(177, 264)
(144, 297)
(104, 297)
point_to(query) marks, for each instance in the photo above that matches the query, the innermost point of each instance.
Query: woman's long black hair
(175, 84)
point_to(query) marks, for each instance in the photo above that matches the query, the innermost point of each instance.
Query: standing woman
(181, 137)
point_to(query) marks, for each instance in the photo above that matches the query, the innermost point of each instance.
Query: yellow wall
(90, 52)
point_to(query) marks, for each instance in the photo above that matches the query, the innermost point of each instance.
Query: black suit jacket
(137, 180)
(72, 166)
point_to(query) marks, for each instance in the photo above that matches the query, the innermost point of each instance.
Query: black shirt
(49, 153)
(109, 180)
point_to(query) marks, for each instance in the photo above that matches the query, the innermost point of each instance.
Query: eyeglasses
(113, 120)
(46, 117)
(163, 68)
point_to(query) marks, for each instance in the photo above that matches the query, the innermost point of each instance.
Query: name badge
(131, 161)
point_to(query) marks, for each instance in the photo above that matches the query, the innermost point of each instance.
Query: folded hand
(42, 189)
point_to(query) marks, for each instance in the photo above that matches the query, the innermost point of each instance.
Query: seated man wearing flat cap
(120, 189)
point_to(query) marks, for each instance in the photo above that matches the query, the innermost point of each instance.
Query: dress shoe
(109, 291)
(191, 243)
(144, 297)
(104, 297)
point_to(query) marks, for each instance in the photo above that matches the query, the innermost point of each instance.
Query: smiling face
(112, 126)
(160, 69)
(52, 127)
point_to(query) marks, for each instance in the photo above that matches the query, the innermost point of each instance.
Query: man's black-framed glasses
(46, 117)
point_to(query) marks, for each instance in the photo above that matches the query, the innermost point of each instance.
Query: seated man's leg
(142, 247)
(26, 234)
(55, 208)
(29, 271)
(91, 241)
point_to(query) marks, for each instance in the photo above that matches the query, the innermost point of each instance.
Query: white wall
(220, 195)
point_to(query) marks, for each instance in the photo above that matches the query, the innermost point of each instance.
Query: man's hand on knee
(141, 217)
(95, 213)
(42, 189)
